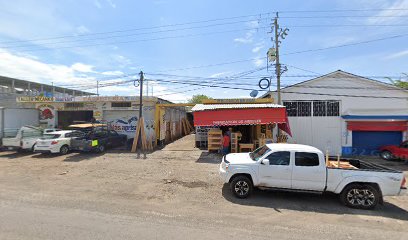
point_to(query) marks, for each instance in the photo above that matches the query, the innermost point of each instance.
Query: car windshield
(50, 136)
(259, 152)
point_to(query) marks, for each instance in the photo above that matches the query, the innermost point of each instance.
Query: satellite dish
(254, 93)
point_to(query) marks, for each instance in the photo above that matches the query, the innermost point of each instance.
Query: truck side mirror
(265, 162)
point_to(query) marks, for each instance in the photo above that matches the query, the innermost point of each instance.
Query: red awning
(377, 126)
(243, 116)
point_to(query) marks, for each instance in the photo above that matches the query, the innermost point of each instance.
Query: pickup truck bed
(297, 167)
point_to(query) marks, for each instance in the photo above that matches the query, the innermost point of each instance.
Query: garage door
(367, 143)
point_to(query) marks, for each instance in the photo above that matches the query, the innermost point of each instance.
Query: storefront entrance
(66, 118)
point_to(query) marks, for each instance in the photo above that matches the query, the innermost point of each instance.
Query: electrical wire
(144, 40)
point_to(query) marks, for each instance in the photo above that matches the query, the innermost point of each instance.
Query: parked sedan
(56, 142)
(98, 140)
(393, 151)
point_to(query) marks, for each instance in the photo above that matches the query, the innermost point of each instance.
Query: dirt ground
(177, 193)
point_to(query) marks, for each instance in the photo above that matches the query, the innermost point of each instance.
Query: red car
(392, 151)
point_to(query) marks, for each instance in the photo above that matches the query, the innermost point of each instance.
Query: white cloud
(258, 47)
(249, 35)
(387, 16)
(398, 55)
(26, 68)
(216, 75)
(113, 73)
(97, 4)
(247, 39)
(110, 2)
(80, 67)
(121, 60)
(259, 62)
(82, 29)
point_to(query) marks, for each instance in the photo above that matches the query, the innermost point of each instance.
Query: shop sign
(237, 122)
(124, 124)
(238, 100)
(47, 115)
(107, 98)
(35, 99)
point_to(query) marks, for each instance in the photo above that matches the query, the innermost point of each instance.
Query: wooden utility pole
(97, 88)
(278, 70)
(140, 132)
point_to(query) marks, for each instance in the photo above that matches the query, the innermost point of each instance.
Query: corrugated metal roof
(203, 107)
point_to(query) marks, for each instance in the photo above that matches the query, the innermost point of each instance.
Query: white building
(344, 113)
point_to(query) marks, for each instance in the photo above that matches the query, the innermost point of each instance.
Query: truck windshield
(259, 152)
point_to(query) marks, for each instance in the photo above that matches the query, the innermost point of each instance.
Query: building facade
(119, 112)
(344, 113)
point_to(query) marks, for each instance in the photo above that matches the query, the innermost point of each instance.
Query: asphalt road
(173, 194)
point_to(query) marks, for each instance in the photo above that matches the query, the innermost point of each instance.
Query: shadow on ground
(82, 156)
(14, 155)
(207, 157)
(325, 203)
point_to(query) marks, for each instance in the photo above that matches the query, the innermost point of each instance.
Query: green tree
(402, 83)
(198, 98)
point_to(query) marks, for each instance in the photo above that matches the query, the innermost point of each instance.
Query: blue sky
(73, 43)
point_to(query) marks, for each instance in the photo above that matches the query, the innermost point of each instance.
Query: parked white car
(56, 142)
(304, 168)
(26, 138)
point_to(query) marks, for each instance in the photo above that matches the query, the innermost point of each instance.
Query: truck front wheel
(360, 196)
(241, 186)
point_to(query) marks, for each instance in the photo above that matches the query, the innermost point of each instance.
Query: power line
(134, 34)
(145, 40)
(347, 45)
(142, 28)
(344, 10)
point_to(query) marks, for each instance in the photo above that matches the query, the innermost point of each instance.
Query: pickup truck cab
(26, 138)
(304, 168)
(393, 151)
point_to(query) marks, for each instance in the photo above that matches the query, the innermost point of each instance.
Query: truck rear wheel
(241, 186)
(360, 196)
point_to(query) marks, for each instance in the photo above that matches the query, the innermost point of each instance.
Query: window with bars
(298, 108)
(333, 108)
(318, 108)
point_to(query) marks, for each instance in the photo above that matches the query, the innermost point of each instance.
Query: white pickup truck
(26, 138)
(304, 168)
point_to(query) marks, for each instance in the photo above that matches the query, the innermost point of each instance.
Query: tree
(402, 83)
(198, 98)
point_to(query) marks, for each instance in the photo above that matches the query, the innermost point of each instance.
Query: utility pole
(278, 72)
(97, 88)
(141, 94)
(273, 55)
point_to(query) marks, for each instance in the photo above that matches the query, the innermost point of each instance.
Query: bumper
(83, 148)
(39, 149)
(5, 148)
(223, 174)
(403, 191)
